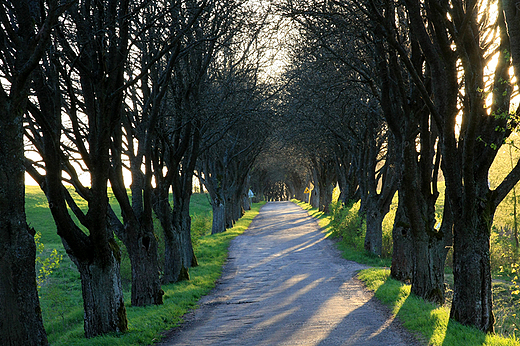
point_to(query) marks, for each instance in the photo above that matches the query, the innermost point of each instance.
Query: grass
(429, 322)
(60, 295)
(349, 252)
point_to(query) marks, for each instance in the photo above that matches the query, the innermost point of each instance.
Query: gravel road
(285, 284)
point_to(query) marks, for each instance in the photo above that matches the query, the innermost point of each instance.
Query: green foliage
(347, 224)
(45, 264)
(506, 300)
(503, 253)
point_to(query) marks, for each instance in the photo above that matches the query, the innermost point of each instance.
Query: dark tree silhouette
(24, 35)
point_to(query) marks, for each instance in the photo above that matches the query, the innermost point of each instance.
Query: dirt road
(285, 284)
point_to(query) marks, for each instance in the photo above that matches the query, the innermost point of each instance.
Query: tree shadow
(428, 322)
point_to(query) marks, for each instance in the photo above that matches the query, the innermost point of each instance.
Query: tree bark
(472, 301)
(403, 249)
(26, 30)
(102, 294)
(146, 285)
(219, 217)
(20, 313)
(512, 17)
(179, 254)
(374, 222)
(137, 234)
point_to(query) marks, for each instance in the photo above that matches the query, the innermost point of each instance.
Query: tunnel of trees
(373, 97)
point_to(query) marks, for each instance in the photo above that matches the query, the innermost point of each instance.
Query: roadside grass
(352, 253)
(60, 294)
(429, 322)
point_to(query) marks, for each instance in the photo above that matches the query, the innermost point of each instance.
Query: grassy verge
(60, 295)
(352, 253)
(429, 322)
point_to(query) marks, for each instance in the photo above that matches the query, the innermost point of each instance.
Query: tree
(417, 135)
(178, 143)
(26, 28)
(84, 74)
(446, 33)
(132, 143)
(343, 103)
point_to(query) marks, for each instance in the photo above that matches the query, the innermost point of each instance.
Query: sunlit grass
(322, 218)
(427, 321)
(348, 252)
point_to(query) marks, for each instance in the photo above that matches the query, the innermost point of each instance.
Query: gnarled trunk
(374, 222)
(219, 217)
(179, 255)
(473, 300)
(137, 233)
(20, 313)
(428, 275)
(403, 248)
(102, 293)
(146, 285)
(326, 195)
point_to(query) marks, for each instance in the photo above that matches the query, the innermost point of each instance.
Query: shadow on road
(285, 284)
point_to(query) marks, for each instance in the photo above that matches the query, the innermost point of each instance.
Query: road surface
(285, 284)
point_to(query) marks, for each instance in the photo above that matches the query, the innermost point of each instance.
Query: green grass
(60, 295)
(427, 321)
(322, 218)
(352, 254)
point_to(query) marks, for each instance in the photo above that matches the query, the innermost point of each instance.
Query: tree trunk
(326, 195)
(137, 233)
(315, 197)
(229, 212)
(172, 256)
(403, 249)
(20, 313)
(179, 255)
(428, 275)
(472, 301)
(182, 231)
(219, 217)
(97, 257)
(374, 222)
(102, 291)
(105, 310)
(171, 244)
(512, 17)
(246, 202)
(146, 285)
(429, 244)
